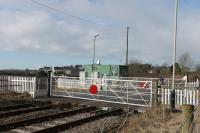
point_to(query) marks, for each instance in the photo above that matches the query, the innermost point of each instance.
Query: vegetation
(14, 98)
(154, 120)
(184, 66)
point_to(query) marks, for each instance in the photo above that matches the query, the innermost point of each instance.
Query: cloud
(40, 32)
(27, 26)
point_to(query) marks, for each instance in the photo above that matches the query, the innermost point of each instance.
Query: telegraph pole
(172, 98)
(127, 46)
(94, 49)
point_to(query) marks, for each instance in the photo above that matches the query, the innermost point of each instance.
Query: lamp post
(172, 101)
(94, 54)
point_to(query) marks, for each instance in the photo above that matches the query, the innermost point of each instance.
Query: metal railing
(131, 92)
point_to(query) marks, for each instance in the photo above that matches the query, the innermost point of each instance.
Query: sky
(61, 32)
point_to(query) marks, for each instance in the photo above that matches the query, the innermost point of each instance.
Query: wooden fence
(185, 93)
(183, 96)
(19, 84)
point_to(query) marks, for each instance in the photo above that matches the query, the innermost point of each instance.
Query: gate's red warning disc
(143, 85)
(93, 89)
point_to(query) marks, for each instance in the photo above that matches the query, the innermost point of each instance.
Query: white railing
(131, 92)
(126, 90)
(178, 82)
(183, 96)
(193, 84)
(18, 84)
(185, 92)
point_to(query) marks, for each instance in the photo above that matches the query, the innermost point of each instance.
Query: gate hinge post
(49, 83)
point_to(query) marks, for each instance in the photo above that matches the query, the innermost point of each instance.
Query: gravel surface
(39, 126)
(28, 115)
(97, 126)
(47, 124)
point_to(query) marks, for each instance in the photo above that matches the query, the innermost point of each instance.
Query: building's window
(123, 71)
(99, 75)
(94, 67)
(86, 74)
(68, 72)
(114, 71)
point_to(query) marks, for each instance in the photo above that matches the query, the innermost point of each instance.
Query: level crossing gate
(137, 92)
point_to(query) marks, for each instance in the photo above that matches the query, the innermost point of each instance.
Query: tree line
(185, 65)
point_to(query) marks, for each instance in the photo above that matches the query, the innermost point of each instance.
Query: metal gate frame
(120, 91)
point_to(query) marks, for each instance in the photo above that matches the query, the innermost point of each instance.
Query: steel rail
(26, 122)
(31, 109)
(17, 106)
(65, 126)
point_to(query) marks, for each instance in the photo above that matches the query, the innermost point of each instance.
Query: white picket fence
(183, 96)
(193, 84)
(19, 84)
(185, 92)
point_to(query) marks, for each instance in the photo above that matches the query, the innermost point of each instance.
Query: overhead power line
(61, 11)
(73, 16)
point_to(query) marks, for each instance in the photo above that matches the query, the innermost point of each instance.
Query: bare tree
(197, 68)
(185, 62)
(135, 61)
(137, 68)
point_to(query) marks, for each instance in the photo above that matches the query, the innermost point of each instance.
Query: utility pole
(93, 62)
(172, 98)
(127, 46)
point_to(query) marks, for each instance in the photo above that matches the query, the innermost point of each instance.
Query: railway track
(31, 109)
(25, 105)
(30, 121)
(48, 117)
(72, 124)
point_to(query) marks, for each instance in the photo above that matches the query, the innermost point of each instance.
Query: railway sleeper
(69, 125)
(32, 109)
(18, 106)
(22, 123)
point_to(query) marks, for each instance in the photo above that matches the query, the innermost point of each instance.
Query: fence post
(49, 83)
(172, 100)
(188, 116)
(155, 88)
(34, 87)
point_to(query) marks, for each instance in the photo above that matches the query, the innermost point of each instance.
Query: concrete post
(188, 117)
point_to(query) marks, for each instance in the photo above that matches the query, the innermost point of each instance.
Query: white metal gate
(122, 91)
